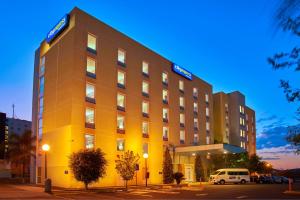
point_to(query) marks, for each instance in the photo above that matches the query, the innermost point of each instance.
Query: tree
(238, 160)
(125, 165)
(21, 148)
(88, 165)
(167, 168)
(288, 19)
(198, 167)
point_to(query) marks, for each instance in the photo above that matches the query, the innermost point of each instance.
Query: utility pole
(13, 115)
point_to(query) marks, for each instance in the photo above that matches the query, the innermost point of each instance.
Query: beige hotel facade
(94, 87)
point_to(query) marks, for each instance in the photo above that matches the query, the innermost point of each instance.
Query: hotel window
(121, 56)
(182, 136)
(145, 148)
(145, 68)
(165, 77)
(120, 144)
(121, 78)
(181, 102)
(181, 85)
(195, 92)
(145, 128)
(91, 66)
(207, 126)
(42, 82)
(90, 91)
(120, 101)
(165, 133)
(195, 107)
(165, 96)
(195, 123)
(196, 138)
(181, 119)
(42, 65)
(207, 139)
(145, 88)
(241, 121)
(206, 98)
(165, 114)
(120, 122)
(207, 112)
(226, 107)
(89, 141)
(91, 42)
(241, 133)
(145, 107)
(90, 115)
(41, 106)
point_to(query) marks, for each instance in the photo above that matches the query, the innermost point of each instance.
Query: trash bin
(48, 185)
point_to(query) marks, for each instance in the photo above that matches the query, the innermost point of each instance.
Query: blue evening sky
(225, 43)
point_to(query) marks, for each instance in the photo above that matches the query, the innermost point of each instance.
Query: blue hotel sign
(182, 72)
(58, 28)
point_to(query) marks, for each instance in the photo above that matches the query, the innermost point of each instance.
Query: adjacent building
(94, 87)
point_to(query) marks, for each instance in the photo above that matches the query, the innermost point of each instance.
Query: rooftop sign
(182, 72)
(58, 28)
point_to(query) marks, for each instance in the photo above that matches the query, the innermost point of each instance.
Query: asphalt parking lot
(247, 191)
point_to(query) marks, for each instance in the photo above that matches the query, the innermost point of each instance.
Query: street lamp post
(145, 155)
(46, 148)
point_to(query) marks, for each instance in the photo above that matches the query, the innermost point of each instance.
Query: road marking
(242, 197)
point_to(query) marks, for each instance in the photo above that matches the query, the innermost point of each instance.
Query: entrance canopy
(210, 148)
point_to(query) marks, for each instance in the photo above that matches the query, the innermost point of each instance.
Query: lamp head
(145, 155)
(45, 147)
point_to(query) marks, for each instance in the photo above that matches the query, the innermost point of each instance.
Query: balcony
(181, 141)
(165, 83)
(93, 51)
(145, 135)
(195, 112)
(122, 86)
(91, 75)
(121, 108)
(196, 129)
(165, 138)
(181, 108)
(121, 64)
(145, 75)
(89, 125)
(120, 131)
(145, 94)
(90, 100)
(165, 120)
(182, 125)
(145, 115)
(165, 101)
(181, 91)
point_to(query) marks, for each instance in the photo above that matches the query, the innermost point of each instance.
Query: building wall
(251, 130)
(64, 101)
(18, 126)
(3, 135)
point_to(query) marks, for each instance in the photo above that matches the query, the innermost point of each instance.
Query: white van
(230, 175)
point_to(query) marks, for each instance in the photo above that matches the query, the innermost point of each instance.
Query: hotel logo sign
(58, 28)
(182, 72)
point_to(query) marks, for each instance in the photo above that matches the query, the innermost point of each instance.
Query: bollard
(290, 184)
(48, 185)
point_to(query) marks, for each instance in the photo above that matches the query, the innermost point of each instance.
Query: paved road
(249, 191)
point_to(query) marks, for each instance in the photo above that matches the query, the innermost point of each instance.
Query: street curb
(292, 192)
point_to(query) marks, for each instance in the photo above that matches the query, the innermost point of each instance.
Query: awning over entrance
(210, 148)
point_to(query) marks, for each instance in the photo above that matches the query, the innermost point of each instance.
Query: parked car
(230, 175)
(265, 179)
(280, 179)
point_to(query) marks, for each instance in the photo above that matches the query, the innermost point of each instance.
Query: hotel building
(94, 87)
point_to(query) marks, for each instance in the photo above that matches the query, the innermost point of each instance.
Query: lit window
(165, 77)
(91, 65)
(42, 61)
(181, 102)
(145, 107)
(121, 56)
(90, 91)
(121, 100)
(226, 106)
(181, 85)
(89, 115)
(165, 113)
(182, 136)
(145, 87)
(241, 133)
(196, 123)
(120, 122)
(207, 111)
(145, 148)
(121, 78)
(207, 139)
(207, 126)
(120, 144)
(195, 107)
(243, 122)
(195, 92)
(165, 132)
(196, 138)
(89, 141)
(182, 118)
(145, 68)
(165, 95)
(206, 98)
(145, 128)
(42, 65)
(91, 42)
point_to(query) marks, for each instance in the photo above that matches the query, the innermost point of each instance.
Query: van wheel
(243, 181)
(222, 182)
